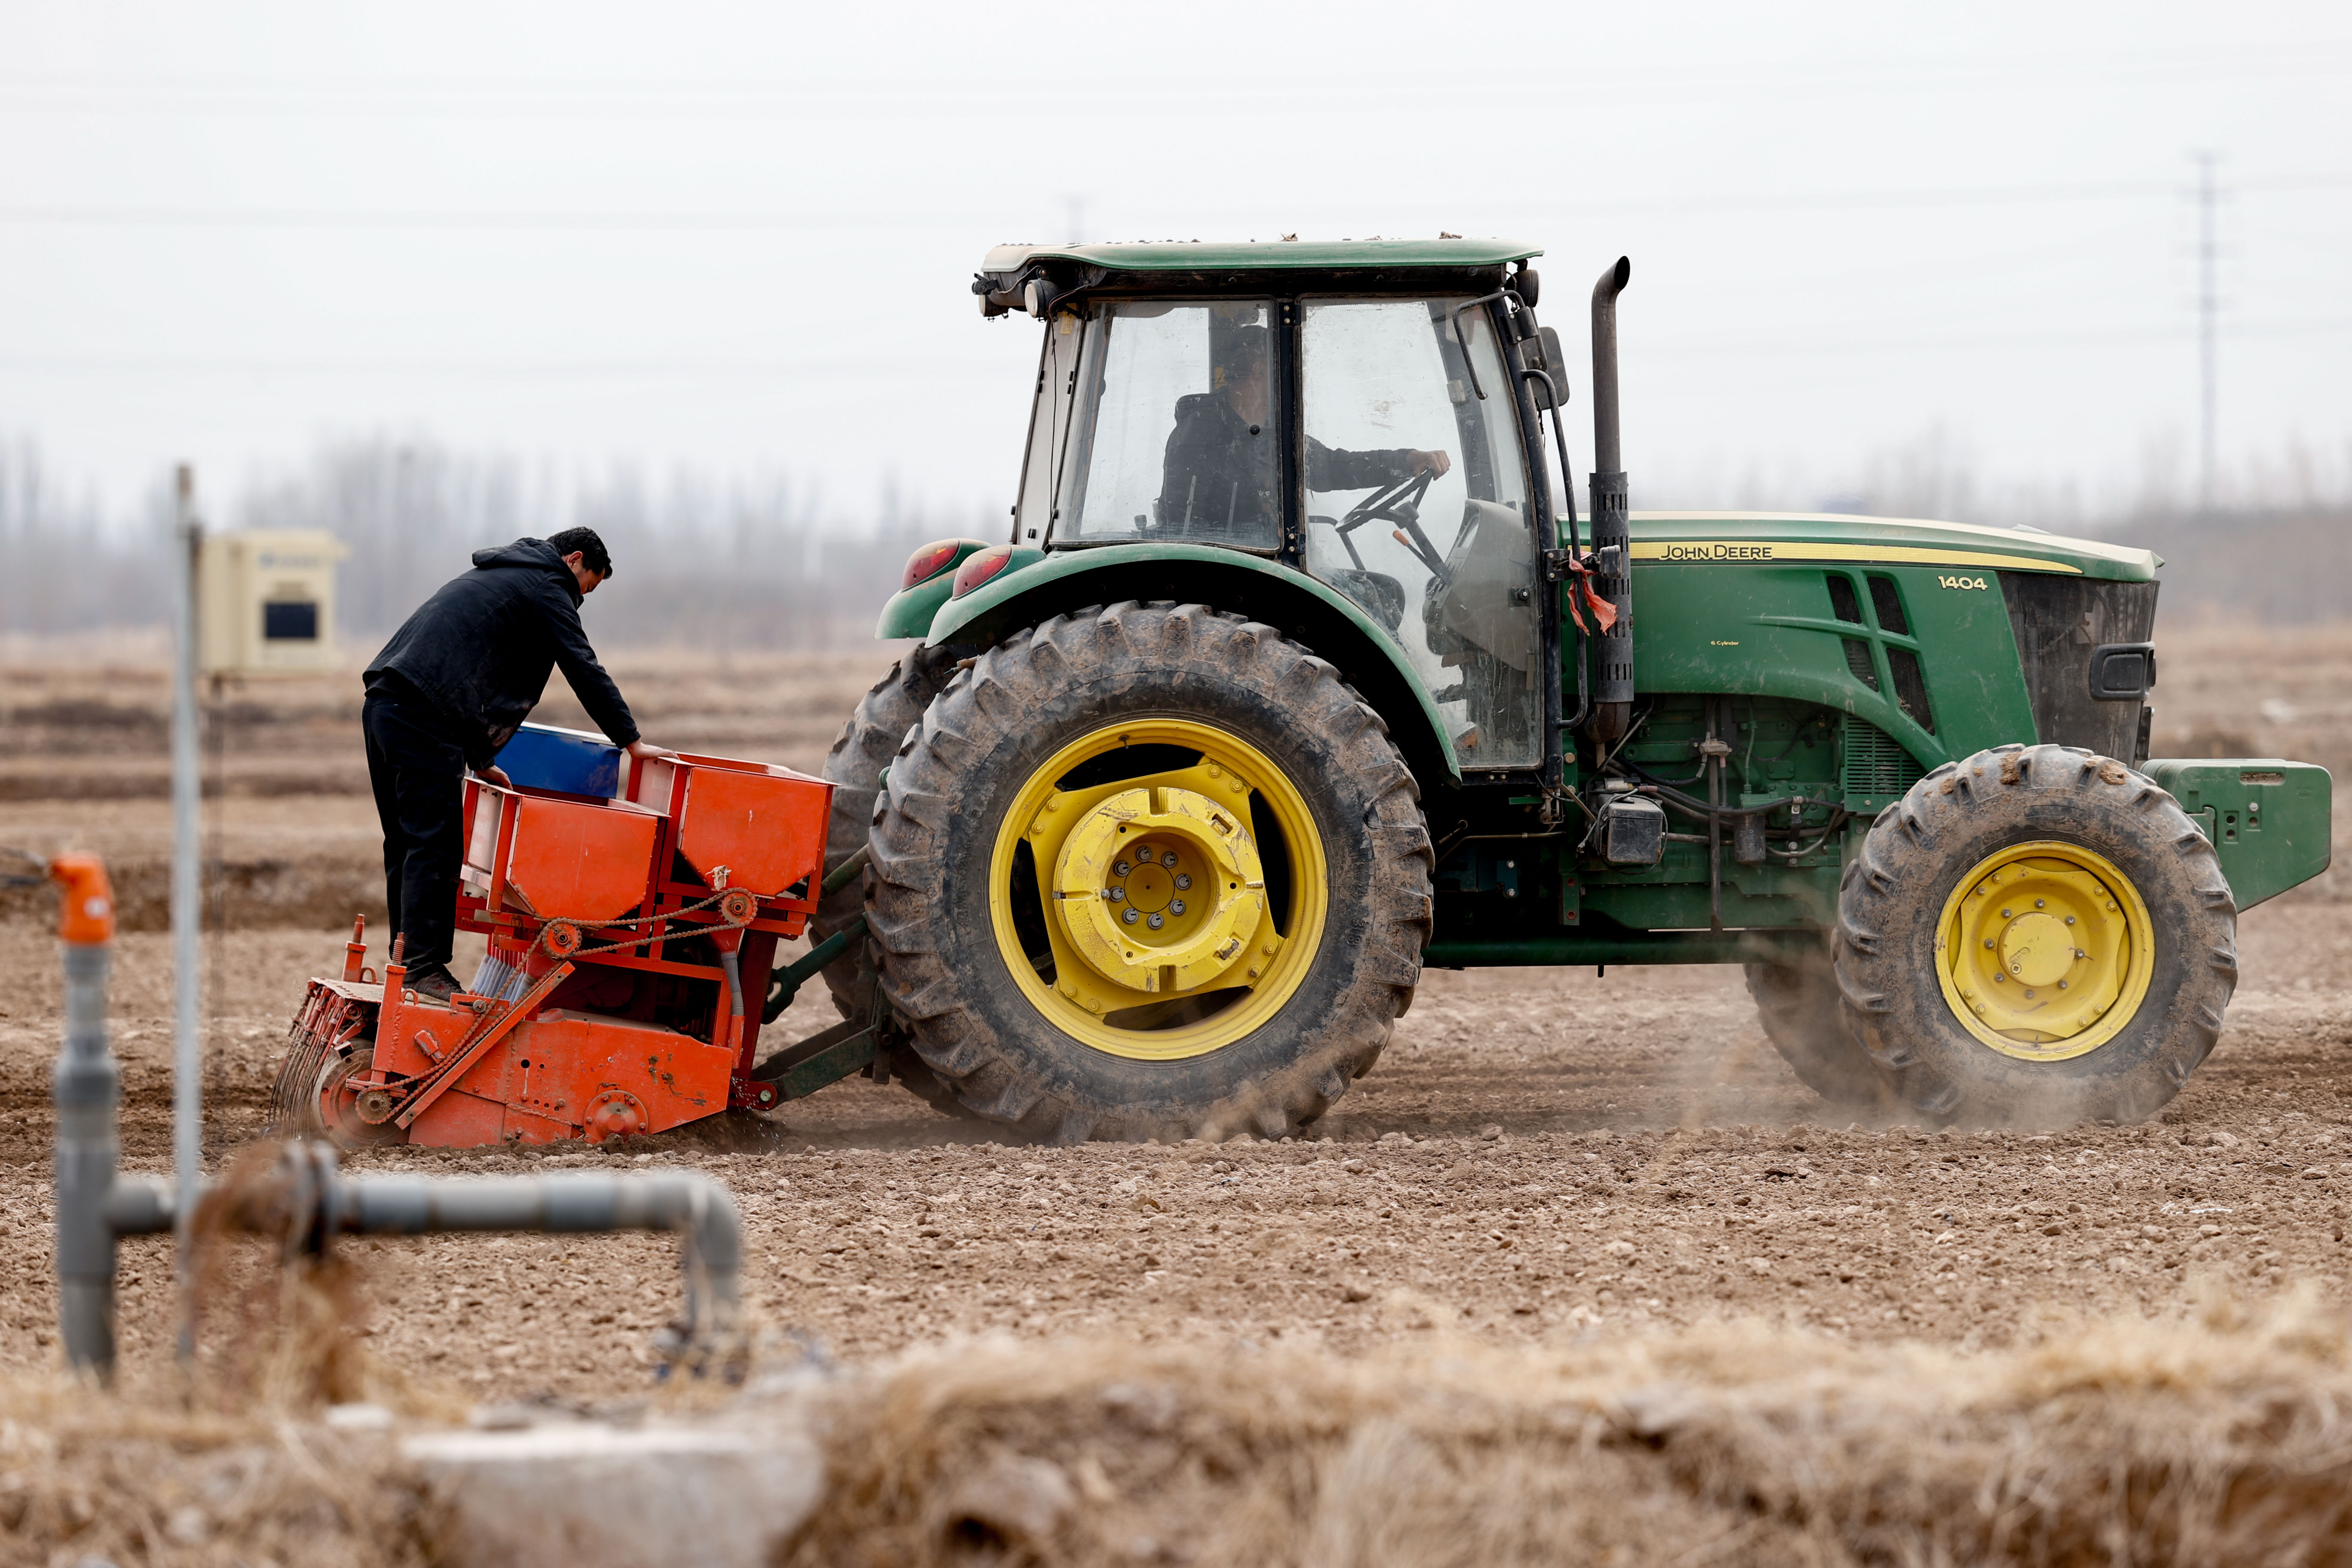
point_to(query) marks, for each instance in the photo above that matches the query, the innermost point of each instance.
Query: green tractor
(1298, 673)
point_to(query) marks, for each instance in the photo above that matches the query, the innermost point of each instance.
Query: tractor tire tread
(1802, 1013)
(868, 743)
(934, 983)
(1891, 899)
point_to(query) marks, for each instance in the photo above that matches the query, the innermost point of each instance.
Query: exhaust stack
(1612, 546)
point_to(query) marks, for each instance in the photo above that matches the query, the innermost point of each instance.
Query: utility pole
(2209, 309)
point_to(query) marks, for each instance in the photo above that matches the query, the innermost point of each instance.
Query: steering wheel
(1398, 503)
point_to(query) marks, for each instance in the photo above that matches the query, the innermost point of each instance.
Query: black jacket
(1217, 477)
(480, 650)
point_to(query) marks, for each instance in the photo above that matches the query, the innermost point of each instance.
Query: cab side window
(1418, 507)
(1177, 429)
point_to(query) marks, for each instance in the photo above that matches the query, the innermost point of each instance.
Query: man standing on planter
(446, 694)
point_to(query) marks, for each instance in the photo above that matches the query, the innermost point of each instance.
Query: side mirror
(1528, 286)
(1552, 361)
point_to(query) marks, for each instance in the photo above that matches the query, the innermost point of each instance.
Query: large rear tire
(1149, 871)
(1798, 1004)
(2037, 935)
(854, 767)
(861, 752)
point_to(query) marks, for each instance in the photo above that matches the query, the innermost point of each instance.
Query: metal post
(187, 892)
(86, 1088)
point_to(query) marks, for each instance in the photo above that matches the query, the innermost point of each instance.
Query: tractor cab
(1357, 415)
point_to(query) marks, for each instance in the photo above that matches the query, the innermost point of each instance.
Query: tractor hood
(1751, 538)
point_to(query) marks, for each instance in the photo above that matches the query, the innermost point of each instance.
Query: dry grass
(223, 1463)
(2225, 1440)
(228, 1462)
(88, 1476)
(280, 1333)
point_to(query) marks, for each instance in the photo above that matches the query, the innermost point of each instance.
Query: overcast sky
(741, 237)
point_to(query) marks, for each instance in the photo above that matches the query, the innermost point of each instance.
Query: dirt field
(1541, 1154)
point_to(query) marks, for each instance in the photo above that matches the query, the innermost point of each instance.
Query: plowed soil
(1540, 1153)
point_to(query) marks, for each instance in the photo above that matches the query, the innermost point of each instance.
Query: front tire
(2037, 935)
(1149, 871)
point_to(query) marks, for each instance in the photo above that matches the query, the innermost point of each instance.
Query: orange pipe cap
(87, 914)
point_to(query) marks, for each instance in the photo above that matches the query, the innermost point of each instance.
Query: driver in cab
(1220, 478)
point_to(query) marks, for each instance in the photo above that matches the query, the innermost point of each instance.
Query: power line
(1964, 196)
(1810, 348)
(424, 219)
(1791, 350)
(63, 214)
(901, 97)
(584, 370)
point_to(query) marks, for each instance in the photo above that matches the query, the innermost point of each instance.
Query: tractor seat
(1377, 592)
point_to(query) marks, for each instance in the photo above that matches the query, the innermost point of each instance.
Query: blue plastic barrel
(576, 761)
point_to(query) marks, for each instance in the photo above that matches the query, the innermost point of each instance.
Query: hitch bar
(787, 982)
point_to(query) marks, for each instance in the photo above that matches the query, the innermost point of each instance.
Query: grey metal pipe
(310, 1204)
(700, 1210)
(86, 1088)
(731, 962)
(1612, 542)
(1607, 454)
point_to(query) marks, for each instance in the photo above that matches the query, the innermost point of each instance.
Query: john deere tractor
(1297, 673)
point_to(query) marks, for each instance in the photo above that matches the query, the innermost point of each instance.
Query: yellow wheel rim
(1152, 891)
(2044, 950)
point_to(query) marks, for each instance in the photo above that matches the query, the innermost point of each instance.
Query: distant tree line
(699, 562)
(62, 567)
(704, 561)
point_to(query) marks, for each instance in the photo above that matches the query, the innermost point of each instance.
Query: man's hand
(497, 775)
(642, 750)
(1432, 463)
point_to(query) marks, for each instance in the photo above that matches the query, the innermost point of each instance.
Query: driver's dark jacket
(1227, 478)
(480, 650)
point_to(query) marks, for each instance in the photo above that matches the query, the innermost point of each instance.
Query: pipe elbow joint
(1612, 280)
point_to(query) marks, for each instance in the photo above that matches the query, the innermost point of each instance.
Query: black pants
(418, 776)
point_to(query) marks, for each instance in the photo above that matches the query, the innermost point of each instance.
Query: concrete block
(582, 1495)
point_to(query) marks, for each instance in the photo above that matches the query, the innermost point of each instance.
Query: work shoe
(437, 983)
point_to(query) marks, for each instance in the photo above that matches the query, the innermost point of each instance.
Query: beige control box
(266, 601)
